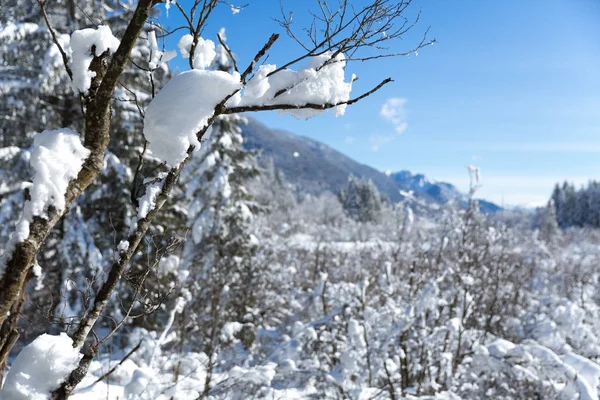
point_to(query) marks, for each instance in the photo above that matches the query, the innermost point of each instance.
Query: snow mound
(85, 44)
(587, 370)
(500, 348)
(261, 375)
(182, 108)
(40, 368)
(141, 379)
(123, 246)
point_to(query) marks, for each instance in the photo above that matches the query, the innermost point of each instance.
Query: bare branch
(106, 375)
(229, 53)
(205, 12)
(136, 177)
(65, 59)
(259, 55)
(348, 30)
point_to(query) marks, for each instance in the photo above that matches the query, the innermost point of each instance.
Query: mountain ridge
(313, 167)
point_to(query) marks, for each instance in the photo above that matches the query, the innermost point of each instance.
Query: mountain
(439, 192)
(313, 167)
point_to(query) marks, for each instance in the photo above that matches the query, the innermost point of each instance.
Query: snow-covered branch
(313, 106)
(18, 258)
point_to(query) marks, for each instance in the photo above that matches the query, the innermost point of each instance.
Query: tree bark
(9, 333)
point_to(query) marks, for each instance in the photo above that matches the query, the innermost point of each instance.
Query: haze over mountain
(313, 167)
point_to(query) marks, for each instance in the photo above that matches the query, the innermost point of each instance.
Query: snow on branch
(320, 82)
(305, 106)
(57, 157)
(40, 368)
(32, 230)
(182, 108)
(157, 57)
(185, 105)
(338, 34)
(85, 45)
(202, 55)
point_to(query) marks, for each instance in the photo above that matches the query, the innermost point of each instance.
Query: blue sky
(511, 86)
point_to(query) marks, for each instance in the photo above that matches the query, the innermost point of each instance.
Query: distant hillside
(314, 167)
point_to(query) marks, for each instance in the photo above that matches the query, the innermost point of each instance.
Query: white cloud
(393, 110)
(379, 140)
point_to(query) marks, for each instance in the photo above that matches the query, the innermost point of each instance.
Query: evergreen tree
(273, 193)
(223, 277)
(558, 201)
(548, 224)
(593, 200)
(577, 207)
(361, 200)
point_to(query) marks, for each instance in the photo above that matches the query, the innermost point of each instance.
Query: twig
(42, 4)
(136, 177)
(136, 348)
(229, 53)
(259, 55)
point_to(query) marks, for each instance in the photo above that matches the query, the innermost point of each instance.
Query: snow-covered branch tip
(314, 106)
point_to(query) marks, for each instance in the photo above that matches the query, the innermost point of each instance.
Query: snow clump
(182, 108)
(320, 82)
(204, 53)
(40, 368)
(85, 45)
(158, 57)
(57, 157)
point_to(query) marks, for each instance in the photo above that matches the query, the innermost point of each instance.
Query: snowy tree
(361, 200)
(223, 279)
(34, 82)
(272, 191)
(576, 207)
(548, 224)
